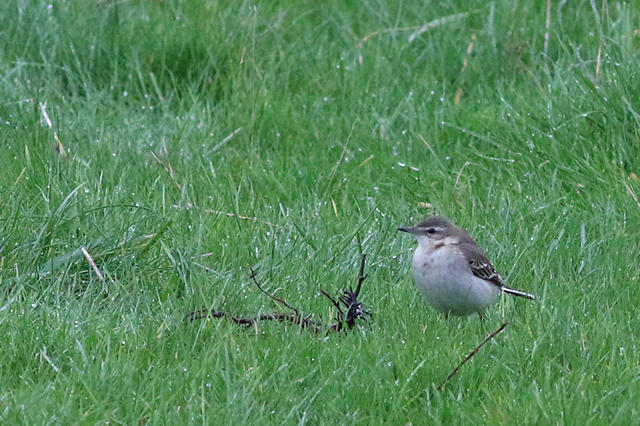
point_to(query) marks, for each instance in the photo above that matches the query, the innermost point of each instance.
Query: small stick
(475, 351)
(277, 316)
(349, 298)
(271, 296)
(197, 315)
(361, 276)
(334, 302)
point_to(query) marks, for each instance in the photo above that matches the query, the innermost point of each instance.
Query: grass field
(182, 143)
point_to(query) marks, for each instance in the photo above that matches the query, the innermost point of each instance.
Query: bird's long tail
(518, 293)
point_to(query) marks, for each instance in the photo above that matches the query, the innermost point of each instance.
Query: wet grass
(182, 143)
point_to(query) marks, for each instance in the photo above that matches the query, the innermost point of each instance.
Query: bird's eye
(431, 230)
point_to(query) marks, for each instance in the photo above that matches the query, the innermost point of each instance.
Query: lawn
(157, 153)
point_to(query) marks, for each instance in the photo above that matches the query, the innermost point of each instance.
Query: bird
(452, 271)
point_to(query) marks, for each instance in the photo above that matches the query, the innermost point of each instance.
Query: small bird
(452, 272)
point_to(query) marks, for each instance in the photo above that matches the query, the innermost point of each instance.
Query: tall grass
(182, 143)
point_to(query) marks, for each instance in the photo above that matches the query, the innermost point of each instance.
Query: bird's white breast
(443, 277)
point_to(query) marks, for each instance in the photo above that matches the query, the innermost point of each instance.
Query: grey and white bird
(452, 272)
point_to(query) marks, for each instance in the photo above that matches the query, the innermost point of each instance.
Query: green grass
(342, 130)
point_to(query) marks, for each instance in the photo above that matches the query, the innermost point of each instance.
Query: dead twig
(471, 355)
(335, 304)
(271, 296)
(248, 321)
(349, 298)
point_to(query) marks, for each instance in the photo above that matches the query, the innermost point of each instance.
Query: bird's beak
(408, 230)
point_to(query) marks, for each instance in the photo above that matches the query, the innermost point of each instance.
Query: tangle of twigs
(349, 299)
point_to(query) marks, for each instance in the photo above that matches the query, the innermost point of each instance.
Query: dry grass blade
(87, 256)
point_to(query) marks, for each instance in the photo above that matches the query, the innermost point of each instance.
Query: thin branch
(197, 315)
(248, 321)
(471, 355)
(349, 299)
(334, 302)
(271, 296)
(361, 276)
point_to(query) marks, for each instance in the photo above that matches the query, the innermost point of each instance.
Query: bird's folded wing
(479, 263)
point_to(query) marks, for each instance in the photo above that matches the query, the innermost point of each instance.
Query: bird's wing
(480, 265)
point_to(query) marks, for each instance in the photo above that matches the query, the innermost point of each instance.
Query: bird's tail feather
(518, 293)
